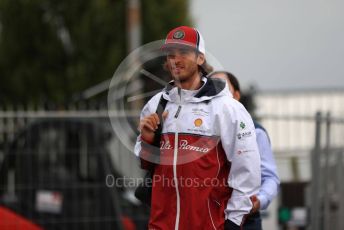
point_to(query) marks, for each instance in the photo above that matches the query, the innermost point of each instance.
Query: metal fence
(58, 163)
(326, 190)
(309, 151)
(58, 168)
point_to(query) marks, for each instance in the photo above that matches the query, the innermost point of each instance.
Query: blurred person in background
(195, 145)
(270, 180)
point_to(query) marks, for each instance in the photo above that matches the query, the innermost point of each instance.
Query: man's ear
(200, 59)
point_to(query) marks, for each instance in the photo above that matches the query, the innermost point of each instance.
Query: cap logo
(179, 34)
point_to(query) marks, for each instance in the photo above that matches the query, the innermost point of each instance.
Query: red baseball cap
(187, 36)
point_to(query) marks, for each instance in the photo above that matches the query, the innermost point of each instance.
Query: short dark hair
(233, 80)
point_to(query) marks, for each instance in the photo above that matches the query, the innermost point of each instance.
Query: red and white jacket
(209, 163)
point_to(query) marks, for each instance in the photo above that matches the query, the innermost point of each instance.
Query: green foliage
(51, 49)
(160, 16)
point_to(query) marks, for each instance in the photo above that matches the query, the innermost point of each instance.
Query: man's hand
(148, 125)
(255, 203)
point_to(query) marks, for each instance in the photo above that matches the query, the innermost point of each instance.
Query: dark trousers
(229, 225)
(253, 222)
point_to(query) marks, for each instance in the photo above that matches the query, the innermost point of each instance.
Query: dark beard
(177, 79)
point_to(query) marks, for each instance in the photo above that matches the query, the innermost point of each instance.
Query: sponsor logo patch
(179, 34)
(198, 122)
(200, 112)
(243, 151)
(244, 135)
(184, 144)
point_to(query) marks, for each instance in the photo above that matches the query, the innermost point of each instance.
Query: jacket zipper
(178, 111)
(175, 156)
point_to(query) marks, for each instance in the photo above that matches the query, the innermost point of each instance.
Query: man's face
(183, 63)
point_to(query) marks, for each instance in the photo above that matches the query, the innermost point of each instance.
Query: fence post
(315, 183)
(326, 178)
(340, 189)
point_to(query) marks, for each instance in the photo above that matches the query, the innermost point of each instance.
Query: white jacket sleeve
(239, 142)
(148, 109)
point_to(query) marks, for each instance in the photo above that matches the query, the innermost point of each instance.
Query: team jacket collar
(212, 87)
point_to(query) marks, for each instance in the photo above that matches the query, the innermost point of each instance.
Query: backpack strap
(159, 110)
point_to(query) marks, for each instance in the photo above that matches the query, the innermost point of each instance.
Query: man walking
(209, 163)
